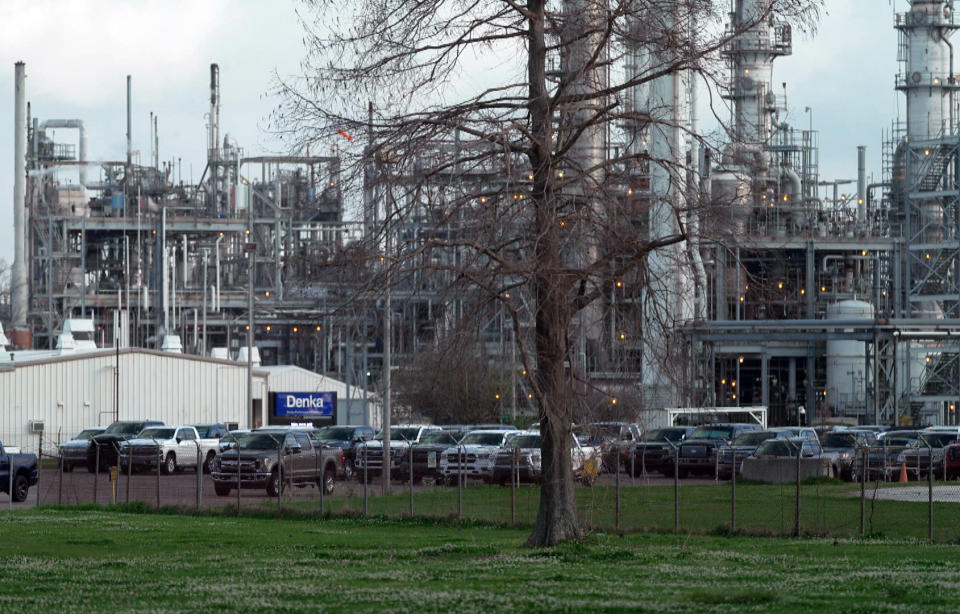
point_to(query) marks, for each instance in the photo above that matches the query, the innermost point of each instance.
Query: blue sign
(310, 404)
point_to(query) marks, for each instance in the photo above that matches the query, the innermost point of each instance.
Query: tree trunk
(557, 516)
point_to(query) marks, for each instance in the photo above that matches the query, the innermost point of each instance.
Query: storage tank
(846, 362)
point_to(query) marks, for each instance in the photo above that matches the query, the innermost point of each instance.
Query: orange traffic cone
(903, 472)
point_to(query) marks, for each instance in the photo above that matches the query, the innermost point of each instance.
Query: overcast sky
(78, 54)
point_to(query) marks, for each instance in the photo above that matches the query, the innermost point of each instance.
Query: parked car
(401, 436)
(473, 456)
(926, 452)
(731, 457)
(104, 447)
(698, 453)
(951, 454)
(882, 456)
(612, 438)
(173, 447)
(347, 438)
(842, 446)
(271, 458)
(23, 468)
(74, 451)
(655, 450)
(524, 453)
(426, 455)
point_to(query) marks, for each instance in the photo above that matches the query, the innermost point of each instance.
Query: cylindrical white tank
(846, 361)
(926, 79)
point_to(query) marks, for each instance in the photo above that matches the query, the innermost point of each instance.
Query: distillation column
(667, 301)
(20, 335)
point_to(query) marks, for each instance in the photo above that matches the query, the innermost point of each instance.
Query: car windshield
(258, 441)
(936, 440)
(398, 433)
(839, 440)
(897, 441)
(754, 438)
(439, 437)
(662, 435)
(86, 434)
(482, 439)
(157, 433)
(711, 432)
(125, 428)
(526, 441)
(603, 432)
(777, 447)
(335, 433)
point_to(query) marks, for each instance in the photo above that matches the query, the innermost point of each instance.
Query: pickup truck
(474, 455)
(273, 457)
(401, 436)
(174, 447)
(104, 448)
(24, 472)
(74, 452)
(523, 452)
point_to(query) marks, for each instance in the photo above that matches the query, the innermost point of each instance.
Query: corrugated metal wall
(71, 394)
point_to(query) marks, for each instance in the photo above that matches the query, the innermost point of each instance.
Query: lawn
(830, 509)
(85, 559)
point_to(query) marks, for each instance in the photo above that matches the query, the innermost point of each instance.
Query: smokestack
(19, 333)
(861, 182)
(214, 145)
(129, 127)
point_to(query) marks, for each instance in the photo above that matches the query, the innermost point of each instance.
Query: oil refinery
(827, 306)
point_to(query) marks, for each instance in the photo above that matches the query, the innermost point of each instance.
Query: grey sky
(78, 54)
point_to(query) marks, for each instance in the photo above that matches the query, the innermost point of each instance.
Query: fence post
(60, 479)
(39, 465)
(129, 471)
(864, 455)
(10, 485)
(460, 481)
(96, 472)
(796, 519)
(929, 491)
(279, 476)
(199, 475)
(514, 478)
(733, 491)
(236, 445)
(410, 455)
(617, 461)
(676, 489)
(159, 449)
(366, 479)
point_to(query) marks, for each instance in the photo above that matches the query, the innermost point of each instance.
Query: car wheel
(20, 488)
(222, 490)
(170, 463)
(206, 463)
(348, 470)
(274, 486)
(328, 481)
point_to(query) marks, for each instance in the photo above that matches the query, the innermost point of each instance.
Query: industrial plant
(836, 301)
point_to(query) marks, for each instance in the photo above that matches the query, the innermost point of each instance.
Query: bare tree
(507, 152)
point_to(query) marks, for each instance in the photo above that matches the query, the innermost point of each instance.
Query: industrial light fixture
(268, 328)
(296, 330)
(741, 360)
(613, 401)
(319, 328)
(267, 293)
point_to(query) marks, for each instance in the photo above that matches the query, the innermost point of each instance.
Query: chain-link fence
(880, 490)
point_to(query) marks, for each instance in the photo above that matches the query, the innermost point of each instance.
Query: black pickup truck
(273, 457)
(103, 449)
(24, 473)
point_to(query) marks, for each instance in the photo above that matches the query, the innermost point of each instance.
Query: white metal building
(61, 395)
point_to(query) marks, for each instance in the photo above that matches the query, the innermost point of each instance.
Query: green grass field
(86, 559)
(829, 509)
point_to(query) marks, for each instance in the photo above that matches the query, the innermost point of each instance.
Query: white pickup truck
(474, 456)
(175, 447)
